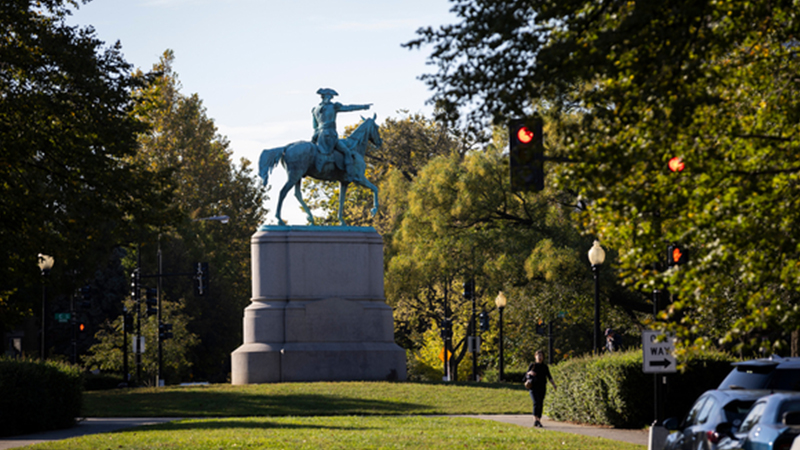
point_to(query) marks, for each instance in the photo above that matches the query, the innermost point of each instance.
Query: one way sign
(658, 357)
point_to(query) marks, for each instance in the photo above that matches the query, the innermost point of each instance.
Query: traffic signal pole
(137, 299)
(474, 332)
(158, 316)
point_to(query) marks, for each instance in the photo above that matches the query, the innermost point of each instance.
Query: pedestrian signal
(676, 255)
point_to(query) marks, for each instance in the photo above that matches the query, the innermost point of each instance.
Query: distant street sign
(658, 356)
(140, 348)
(62, 317)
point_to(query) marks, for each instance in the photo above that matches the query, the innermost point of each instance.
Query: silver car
(697, 431)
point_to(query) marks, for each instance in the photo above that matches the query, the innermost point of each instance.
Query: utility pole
(158, 315)
(137, 302)
(475, 343)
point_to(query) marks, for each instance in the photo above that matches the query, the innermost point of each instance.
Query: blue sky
(257, 64)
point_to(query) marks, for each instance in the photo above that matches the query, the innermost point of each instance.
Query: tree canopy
(629, 86)
(69, 186)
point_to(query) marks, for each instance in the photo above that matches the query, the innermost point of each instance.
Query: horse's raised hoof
(373, 211)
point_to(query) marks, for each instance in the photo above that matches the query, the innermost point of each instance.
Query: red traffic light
(525, 135)
(676, 164)
(82, 327)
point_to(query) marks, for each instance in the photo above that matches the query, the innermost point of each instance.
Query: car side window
(788, 406)
(753, 417)
(705, 411)
(692, 415)
(786, 380)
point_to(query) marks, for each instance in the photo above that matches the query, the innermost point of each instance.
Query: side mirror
(671, 424)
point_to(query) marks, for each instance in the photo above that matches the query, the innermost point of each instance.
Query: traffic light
(526, 154)
(82, 327)
(152, 301)
(446, 329)
(541, 329)
(135, 285)
(676, 164)
(484, 320)
(128, 323)
(201, 279)
(676, 255)
(469, 289)
(86, 301)
(165, 331)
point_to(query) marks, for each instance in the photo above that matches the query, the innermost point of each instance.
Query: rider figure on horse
(325, 135)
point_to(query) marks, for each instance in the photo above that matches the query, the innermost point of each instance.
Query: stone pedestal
(318, 311)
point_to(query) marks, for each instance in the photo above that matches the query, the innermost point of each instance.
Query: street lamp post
(45, 264)
(596, 257)
(500, 302)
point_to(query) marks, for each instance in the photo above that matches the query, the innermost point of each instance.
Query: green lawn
(309, 399)
(338, 432)
(351, 415)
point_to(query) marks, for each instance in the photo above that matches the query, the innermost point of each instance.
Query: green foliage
(107, 354)
(462, 220)
(425, 363)
(38, 396)
(613, 390)
(628, 86)
(70, 188)
(182, 141)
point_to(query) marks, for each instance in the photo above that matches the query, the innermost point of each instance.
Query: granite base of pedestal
(318, 310)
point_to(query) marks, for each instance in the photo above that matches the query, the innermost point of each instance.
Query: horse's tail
(268, 160)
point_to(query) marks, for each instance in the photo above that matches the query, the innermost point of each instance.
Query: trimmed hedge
(101, 382)
(613, 390)
(37, 396)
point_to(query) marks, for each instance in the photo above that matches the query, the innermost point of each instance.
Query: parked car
(697, 431)
(774, 373)
(772, 423)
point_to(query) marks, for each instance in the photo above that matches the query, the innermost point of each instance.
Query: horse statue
(300, 160)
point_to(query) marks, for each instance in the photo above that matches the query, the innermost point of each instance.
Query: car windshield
(736, 410)
(748, 377)
(753, 417)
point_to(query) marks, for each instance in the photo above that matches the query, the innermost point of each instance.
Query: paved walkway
(640, 437)
(86, 426)
(104, 425)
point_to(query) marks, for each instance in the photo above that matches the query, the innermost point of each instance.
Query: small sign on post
(658, 352)
(63, 317)
(140, 347)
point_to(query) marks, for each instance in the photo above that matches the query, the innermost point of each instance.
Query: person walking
(536, 383)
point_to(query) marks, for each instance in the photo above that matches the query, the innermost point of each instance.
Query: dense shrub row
(101, 382)
(38, 396)
(613, 389)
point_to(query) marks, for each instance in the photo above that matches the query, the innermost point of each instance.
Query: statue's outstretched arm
(345, 108)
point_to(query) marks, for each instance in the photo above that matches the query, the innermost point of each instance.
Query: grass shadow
(225, 424)
(234, 404)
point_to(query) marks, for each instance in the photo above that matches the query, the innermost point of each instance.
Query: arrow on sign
(665, 363)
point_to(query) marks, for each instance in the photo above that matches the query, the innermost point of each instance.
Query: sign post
(659, 360)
